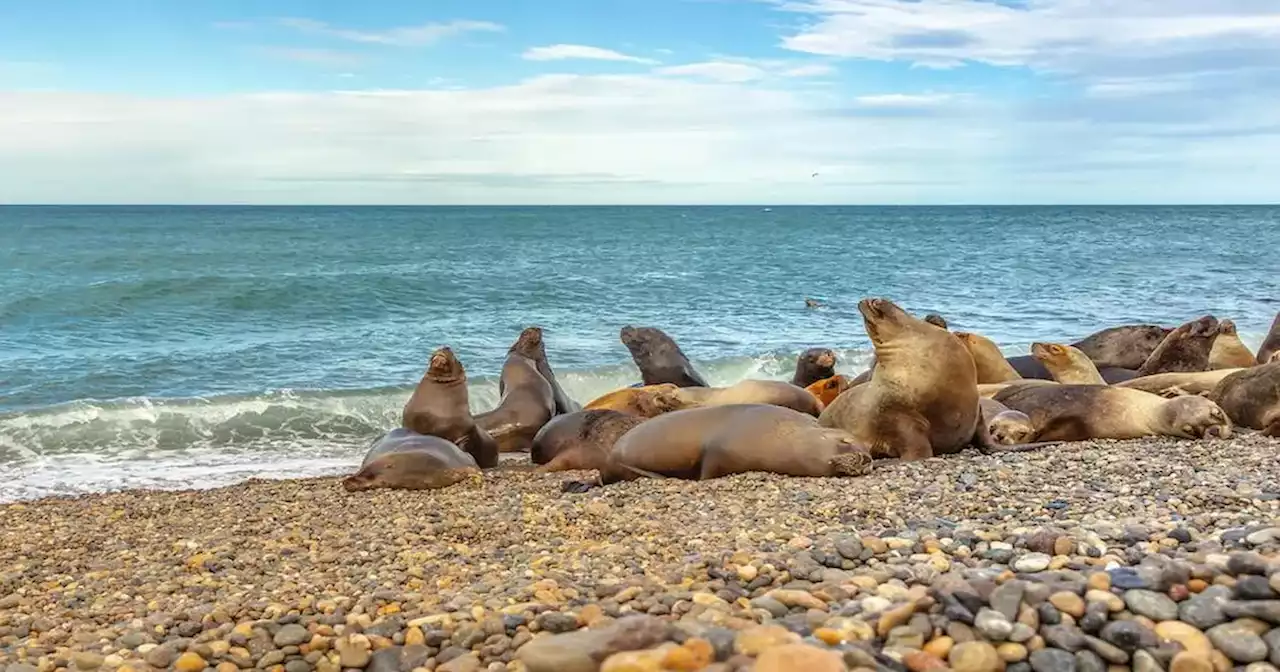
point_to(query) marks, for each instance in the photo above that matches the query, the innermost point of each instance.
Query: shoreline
(297, 574)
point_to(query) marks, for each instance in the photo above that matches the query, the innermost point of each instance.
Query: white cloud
(405, 36)
(810, 70)
(313, 56)
(720, 71)
(904, 100)
(561, 52)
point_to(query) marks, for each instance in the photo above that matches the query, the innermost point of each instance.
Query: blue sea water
(198, 346)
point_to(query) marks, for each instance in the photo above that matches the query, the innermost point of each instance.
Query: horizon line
(642, 205)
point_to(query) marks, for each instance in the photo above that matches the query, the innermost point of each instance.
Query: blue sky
(631, 101)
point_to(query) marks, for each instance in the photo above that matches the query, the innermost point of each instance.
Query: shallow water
(188, 346)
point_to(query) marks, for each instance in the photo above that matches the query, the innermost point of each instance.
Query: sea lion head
(883, 319)
(1195, 417)
(851, 458)
(530, 343)
(1011, 428)
(1227, 328)
(445, 367)
(653, 400)
(821, 357)
(1051, 353)
(936, 320)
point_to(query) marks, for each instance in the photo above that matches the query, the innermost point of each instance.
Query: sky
(640, 101)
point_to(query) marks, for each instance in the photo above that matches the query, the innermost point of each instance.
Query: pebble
(1052, 660)
(789, 657)
(993, 625)
(974, 657)
(1032, 562)
(1238, 642)
(1153, 605)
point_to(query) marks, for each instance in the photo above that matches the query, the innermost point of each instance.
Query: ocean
(176, 347)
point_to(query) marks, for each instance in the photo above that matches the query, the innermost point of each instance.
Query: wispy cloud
(905, 99)
(720, 71)
(404, 36)
(810, 70)
(562, 52)
(312, 56)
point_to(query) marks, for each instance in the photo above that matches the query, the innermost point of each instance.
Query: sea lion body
(1124, 347)
(1185, 349)
(406, 460)
(1083, 412)
(1251, 396)
(826, 391)
(1178, 384)
(1030, 368)
(646, 401)
(715, 441)
(1271, 344)
(440, 406)
(1068, 364)
(989, 362)
(813, 365)
(1228, 351)
(527, 402)
(658, 357)
(773, 392)
(532, 345)
(580, 440)
(922, 399)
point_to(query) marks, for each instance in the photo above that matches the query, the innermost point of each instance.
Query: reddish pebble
(922, 661)
(1179, 592)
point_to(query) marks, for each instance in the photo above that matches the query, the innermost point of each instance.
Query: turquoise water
(181, 346)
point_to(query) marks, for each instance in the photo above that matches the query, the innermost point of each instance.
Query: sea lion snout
(826, 359)
(357, 482)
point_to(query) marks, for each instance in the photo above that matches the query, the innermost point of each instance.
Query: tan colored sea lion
(1228, 351)
(715, 441)
(1068, 365)
(932, 318)
(1083, 412)
(826, 390)
(647, 402)
(440, 406)
(580, 440)
(658, 357)
(1270, 344)
(1251, 396)
(527, 401)
(773, 392)
(1184, 349)
(813, 365)
(922, 399)
(534, 347)
(403, 459)
(1178, 384)
(990, 363)
(990, 390)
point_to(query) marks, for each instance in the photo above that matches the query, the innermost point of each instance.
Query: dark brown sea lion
(658, 357)
(527, 402)
(1083, 412)
(1178, 384)
(1252, 397)
(1185, 349)
(922, 399)
(580, 440)
(704, 443)
(1270, 344)
(988, 361)
(1228, 351)
(440, 406)
(1068, 364)
(826, 390)
(773, 392)
(936, 320)
(647, 401)
(1124, 347)
(406, 460)
(813, 365)
(532, 345)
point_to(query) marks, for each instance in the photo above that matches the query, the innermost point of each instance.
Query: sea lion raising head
(1067, 364)
(531, 345)
(1185, 349)
(658, 357)
(440, 406)
(813, 365)
(990, 363)
(1228, 351)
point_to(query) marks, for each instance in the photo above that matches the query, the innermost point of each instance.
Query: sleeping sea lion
(440, 406)
(1270, 344)
(647, 401)
(704, 443)
(580, 440)
(1083, 412)
(535, 348)
(1228, 351)
(1030, 368)
(826, 390)
(813, 365)
(990, 363)
(773, 392)
(658, 357)
(1178, 384)
(1068, 364)
(406, 460)
(1252, 397)
(527, 401)
(1184, 349)
(922, 399)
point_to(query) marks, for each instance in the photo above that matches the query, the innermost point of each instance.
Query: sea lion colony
(929, 391)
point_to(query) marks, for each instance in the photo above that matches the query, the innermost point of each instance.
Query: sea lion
(936, 320)
(406, 460)
(772, 392)
(1184, 349)
(812, 303)
(527, 401)
(715, 441)
(440, 406)
(1252, 397)
(1031, 368)
(1178, 384)
(813, 365)
(989, 390)
(922, 399)
(1083, 412)
(1124, 347)
(1228, 351)
(990, 363)
(932, 318)
(580, 440)
(1068, 364)
(1004, 426)
(531, 344)
(828, 389)
(647, 401)
(658, 357)
(1270, 344)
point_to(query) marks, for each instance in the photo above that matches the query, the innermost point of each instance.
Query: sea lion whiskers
(445, 367)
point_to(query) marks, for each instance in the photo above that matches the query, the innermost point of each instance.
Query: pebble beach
(1145, 555)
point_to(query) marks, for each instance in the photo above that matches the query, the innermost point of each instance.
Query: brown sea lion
(440, 406)
(813, 365)
(1005, 427)
(1030, 368)
(1068, 364)
(936, 320)
(1184, 349)
(527, 401)
(773, 392)
(647, 402)
(658, 357)
(1178, 384)
(1124, 347)
(533, 346)
(922, 399)
(932, 318)
(990, 363)
(1252, 397)
(580, 440)
(715, 441)
(828, 389)
(1228, 351)
(406, 460)
(1083, 412)
(1270, 344)
(988, 391)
